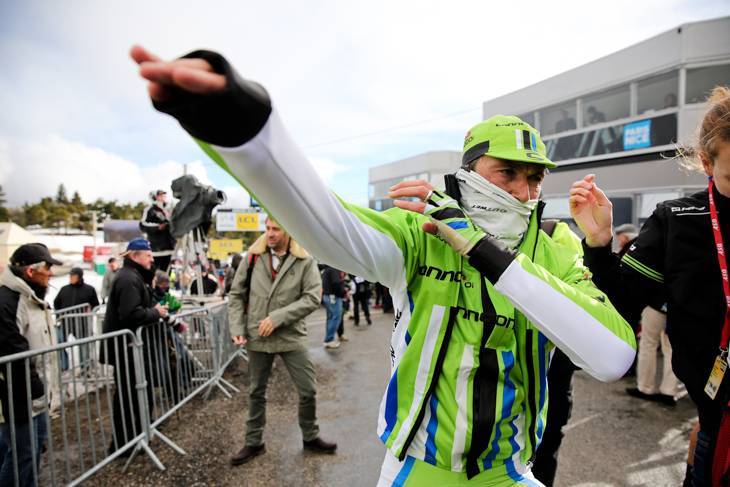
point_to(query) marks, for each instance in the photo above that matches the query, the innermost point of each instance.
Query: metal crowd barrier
(110, 411)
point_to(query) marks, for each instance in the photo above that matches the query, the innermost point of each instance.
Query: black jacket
(130, 303)
(675, 257)
(333, 282)
(73, 294)
(152, 217)
(210, 286)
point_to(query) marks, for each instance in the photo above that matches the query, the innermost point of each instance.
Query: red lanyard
(271, 264)
(723, 267)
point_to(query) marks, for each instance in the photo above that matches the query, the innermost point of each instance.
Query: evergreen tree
(61, 194)
(4, 212)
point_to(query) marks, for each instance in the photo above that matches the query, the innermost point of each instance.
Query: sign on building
(239, 221)
(220, 248)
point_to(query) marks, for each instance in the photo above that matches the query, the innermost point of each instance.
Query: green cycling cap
(505, 138)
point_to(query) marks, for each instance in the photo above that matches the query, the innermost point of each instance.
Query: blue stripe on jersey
(411, 306)
(433, 424)
(519, 478)
(508, 399)
(542, 342)
(534, 142)
(391, 406)
(404, 472)
(458, 224)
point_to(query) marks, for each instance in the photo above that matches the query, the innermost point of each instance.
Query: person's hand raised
(592, 211)
(191, 75)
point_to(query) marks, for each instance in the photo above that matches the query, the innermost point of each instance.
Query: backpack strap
(252, 258)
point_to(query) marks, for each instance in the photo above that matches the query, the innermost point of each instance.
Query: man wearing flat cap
(25, 324)
(129, 306)
(155, 223)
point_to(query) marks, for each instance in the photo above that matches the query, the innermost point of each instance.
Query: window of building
(658, 92)
(371, 191)
(701, 81)
(528, 118)
(623, 209)
(558, 119)
(609, 105)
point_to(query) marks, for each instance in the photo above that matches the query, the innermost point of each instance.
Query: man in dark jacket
(130, 305)
(155, 223)
(333, 289)
(76, 292)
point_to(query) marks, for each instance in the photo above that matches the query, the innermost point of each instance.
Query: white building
(620, 117)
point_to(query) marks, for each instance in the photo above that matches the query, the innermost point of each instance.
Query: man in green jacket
(274, 290)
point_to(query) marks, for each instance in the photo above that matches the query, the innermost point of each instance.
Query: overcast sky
(359, 84)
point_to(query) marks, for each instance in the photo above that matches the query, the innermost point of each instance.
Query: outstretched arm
(236, 124)
(167, 78)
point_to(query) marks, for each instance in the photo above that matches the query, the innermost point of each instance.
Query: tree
(61, 194)
(35, 214)
(4, 213)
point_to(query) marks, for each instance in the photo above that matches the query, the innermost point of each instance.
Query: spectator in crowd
(361, 299)
(670, 100)
(210, 283)
(474, 314)
(161, 294)
(679, 255)
(25, 325)
(231, 272)
(334, 291)
(111, 271)
(155, 224)
(625, 237)
(378, 295)
(594, 116)
(130, 306)
(653, 336)
(74, 293)
(273, 292)
(565, 122)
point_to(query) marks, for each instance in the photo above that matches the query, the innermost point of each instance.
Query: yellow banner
(247, 221)
(219, 249)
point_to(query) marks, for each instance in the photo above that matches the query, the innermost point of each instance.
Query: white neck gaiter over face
(493, 209)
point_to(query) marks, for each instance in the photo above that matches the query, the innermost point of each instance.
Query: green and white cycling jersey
(469, 351)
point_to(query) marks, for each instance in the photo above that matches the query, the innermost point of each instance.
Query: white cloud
(38, 168)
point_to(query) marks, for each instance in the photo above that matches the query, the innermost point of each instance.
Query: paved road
(613, 440)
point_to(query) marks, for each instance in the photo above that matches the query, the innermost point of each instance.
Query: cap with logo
(32, 253)
(136, 244)
(160, 191)
(505, 138)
